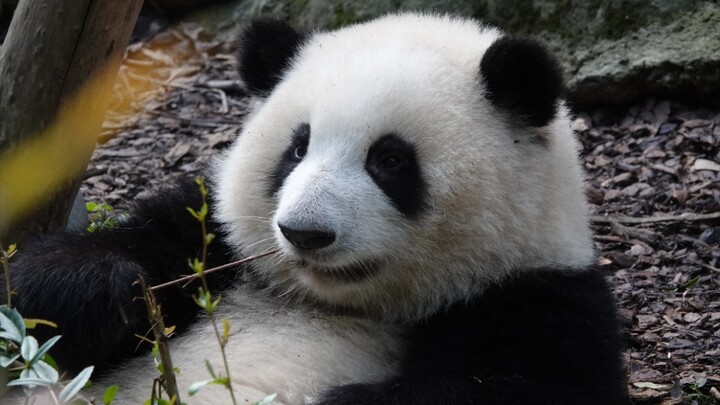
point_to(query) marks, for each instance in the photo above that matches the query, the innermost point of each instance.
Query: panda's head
(402, 164)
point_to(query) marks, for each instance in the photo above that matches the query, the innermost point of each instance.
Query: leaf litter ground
(654, 189)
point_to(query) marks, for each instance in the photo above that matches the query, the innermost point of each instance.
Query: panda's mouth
(344, 274)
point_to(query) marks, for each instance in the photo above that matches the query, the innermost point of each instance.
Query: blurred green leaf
(226, 332)
(110, 394)
(29, 348)
(267, 400)
(44, 348)
(12, 326)
(74, 386)
(41, 371)
(32, 323)
(195, 387)
(6, 361)
(193, 213)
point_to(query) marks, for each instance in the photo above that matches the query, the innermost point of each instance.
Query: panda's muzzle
(307, 239)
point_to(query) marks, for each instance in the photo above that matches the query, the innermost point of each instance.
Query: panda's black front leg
(86, 283)
(432, 391)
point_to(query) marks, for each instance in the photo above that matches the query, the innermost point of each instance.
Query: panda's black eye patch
(292, 156)
(393, 166)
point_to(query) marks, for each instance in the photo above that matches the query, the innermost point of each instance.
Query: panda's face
(385, 178)
(345, 209)
(349, 177)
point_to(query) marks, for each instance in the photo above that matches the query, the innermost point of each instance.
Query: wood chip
(704, 164)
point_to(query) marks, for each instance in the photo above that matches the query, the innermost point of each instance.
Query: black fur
(290, 158)
(393, 166)
(545, 338)
(522, 78)
(265, 50)
(85, 283)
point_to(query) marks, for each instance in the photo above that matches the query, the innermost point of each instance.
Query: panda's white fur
(294, 351)
(501, 197)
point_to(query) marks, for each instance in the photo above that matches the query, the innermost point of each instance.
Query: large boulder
(613, 51)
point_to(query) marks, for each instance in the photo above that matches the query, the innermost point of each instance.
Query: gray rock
(613, 51)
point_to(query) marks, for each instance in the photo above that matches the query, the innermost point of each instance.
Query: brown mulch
(660, 161)
(654, 188)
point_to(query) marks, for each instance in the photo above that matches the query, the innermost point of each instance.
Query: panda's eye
(298, 149)
(291, 157)
(299, 152)
(391, 161)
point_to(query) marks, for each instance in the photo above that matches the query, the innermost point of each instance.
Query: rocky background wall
(613, 51)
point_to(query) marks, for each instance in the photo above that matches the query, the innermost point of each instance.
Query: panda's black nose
(307, 239)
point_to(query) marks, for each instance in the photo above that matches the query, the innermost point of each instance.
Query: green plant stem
(209, 297)
(6, 270)
(225, 362)
(211, 315)
(158, 328)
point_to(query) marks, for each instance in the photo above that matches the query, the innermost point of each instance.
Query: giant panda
(419, 180)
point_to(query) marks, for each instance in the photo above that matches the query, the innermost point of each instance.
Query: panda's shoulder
(532, 313)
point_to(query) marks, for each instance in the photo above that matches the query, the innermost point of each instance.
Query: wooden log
(56, 53)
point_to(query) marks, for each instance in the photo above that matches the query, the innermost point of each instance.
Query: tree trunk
(57, 65)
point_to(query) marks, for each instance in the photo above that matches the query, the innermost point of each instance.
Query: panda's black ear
(522, 78)
(265, 49)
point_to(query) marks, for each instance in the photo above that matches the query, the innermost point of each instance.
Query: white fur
(292, 350)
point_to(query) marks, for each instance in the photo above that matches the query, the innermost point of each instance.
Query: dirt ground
(654, 188)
